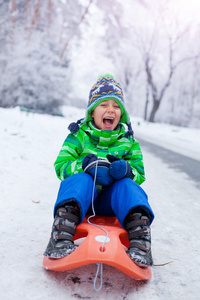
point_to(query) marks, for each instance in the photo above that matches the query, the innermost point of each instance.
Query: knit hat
(106, 88)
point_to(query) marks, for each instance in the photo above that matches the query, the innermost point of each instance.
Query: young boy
(102, 136)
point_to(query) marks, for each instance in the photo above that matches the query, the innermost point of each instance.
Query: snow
(29, 145)
(185, 141)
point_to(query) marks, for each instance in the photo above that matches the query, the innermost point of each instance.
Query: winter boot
(61, 242)
(139, 232)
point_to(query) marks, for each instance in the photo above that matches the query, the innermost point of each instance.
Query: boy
(102, 136)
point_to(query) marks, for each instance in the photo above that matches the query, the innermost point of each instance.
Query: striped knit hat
(104, 89)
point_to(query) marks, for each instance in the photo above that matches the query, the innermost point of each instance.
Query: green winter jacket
(88, 139)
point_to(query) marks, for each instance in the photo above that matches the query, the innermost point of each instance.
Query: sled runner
(90, 250)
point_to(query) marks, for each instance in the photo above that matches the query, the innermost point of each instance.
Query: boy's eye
(116, 106)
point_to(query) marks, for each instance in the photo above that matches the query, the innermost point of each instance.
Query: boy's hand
(91, 164)
(87, 160)
(119, 168)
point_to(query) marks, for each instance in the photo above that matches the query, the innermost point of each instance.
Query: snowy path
(29, 146)
(174, 160)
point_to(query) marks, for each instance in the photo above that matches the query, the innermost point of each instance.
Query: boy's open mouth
(108, 121)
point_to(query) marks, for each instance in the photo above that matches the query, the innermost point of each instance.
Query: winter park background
(51, 53)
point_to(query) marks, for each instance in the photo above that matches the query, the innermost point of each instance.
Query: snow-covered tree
(33, 36)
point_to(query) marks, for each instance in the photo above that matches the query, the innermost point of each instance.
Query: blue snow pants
(117, 199)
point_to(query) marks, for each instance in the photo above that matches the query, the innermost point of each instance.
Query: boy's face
(106, 115)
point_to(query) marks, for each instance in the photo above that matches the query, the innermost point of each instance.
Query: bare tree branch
(49, 13)
(27, 10)
(81, 20)
(187, 59)
(150, 78)
(13, 18)
(35, 17)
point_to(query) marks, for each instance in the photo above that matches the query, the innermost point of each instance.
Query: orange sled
(90, 250)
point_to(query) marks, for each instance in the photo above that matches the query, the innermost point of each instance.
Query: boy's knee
(126, 183)
(83, 178)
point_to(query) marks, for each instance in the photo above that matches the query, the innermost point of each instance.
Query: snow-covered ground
(185, 141)
(28, 184)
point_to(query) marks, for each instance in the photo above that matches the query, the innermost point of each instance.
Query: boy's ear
(92, 114)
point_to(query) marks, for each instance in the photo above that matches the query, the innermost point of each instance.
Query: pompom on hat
(106, 88)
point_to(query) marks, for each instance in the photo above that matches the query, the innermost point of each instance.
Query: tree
(161, 39)
(32, 35)
(159, 95)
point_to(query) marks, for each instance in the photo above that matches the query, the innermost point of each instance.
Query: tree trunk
(147, 102)
(49, 13)
(156, 104)
(13, 19)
